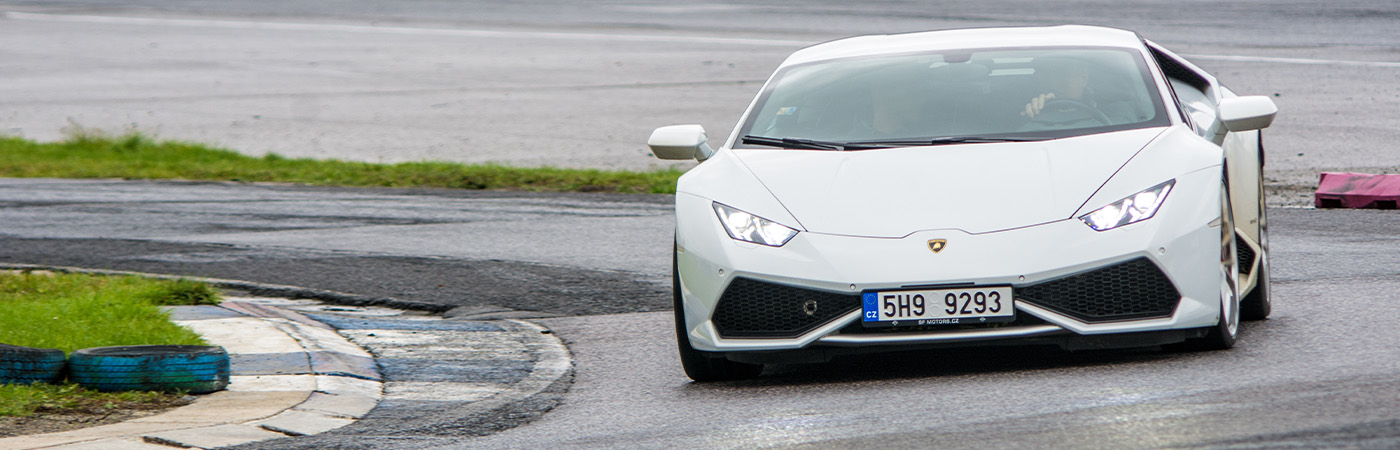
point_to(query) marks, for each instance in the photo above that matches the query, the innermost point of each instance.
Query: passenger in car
(896, 106)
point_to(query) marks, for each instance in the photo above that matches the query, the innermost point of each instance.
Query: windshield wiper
(812, 144)
(940, 141)
(807, 144)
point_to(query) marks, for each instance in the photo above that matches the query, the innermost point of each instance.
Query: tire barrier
(190, 368)
(27, 365)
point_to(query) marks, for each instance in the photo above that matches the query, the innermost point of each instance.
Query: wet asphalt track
(1320, 374)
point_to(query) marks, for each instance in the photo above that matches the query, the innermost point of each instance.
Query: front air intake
(758, 309)
(1135, 289)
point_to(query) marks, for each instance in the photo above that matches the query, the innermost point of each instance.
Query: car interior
(969, 94)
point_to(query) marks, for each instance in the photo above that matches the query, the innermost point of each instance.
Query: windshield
(955, 97)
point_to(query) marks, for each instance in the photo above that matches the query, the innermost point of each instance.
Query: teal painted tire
(28, 365)
(189, 368)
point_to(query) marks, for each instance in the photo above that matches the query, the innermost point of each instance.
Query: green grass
(92, 155)
(21, 401)
(75, 311)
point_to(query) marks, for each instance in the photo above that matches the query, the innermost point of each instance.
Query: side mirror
(680, 142)
(1247, 113)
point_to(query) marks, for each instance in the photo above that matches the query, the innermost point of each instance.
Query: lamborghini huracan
(1074, 186)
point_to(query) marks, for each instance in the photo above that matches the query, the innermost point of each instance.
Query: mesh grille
(751, 308)
(1132, 290)
(1173, 69)
(1246, 256)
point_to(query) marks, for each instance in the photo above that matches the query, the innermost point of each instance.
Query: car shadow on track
(963, 361)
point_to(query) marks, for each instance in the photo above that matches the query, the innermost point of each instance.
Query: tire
(28, 365)
(188, 368)
(1223, 335)
(700, 365)
(1257, 305)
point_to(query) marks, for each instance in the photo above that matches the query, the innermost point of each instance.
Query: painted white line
(412, 31)
(1305, 61)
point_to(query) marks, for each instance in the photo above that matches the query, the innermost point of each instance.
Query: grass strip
(23, 401)
(92, 155)
(76, 311)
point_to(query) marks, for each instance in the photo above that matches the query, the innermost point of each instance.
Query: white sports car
(1076, 186)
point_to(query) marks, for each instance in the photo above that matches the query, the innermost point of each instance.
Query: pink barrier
(1357, 190)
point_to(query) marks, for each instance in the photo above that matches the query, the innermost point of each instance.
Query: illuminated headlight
(1136, 208)
(748, 227)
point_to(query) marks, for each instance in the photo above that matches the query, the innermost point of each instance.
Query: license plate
(971, 305)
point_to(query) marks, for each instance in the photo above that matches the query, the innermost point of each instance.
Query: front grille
(750, 308)
(1245, 254)
(1136, 289)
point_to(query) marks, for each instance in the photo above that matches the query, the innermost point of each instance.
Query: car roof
(969, 38)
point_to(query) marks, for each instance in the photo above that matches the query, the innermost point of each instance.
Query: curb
(290, 376)
(326, 379)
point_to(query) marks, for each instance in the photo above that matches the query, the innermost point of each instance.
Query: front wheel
(701, 365)
(1257, 305)
(1223, 335)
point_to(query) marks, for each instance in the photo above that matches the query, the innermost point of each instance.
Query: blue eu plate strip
(872, 306)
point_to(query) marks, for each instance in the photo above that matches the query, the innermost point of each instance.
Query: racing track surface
(1322, 372)
(572, 84)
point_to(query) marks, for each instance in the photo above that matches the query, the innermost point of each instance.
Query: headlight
(1136, 208)
(748, 227)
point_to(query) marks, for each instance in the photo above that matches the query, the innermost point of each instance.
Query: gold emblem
(937, 245)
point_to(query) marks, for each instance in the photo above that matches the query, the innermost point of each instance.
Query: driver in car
(1070, 82)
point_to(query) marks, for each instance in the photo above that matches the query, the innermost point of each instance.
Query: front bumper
(1179, 241)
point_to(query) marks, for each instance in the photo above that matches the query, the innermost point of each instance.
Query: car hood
(976, 188)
